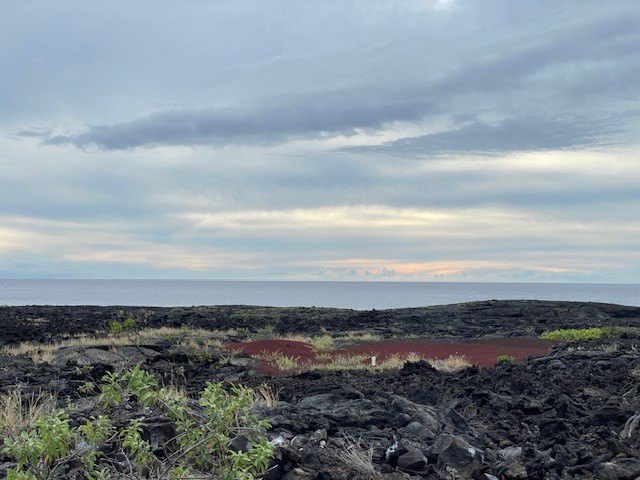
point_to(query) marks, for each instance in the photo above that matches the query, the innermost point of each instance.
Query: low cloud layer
(277, 123)
(510, 135)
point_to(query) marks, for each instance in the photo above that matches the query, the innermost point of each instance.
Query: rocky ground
(574, 413)
(459, 321)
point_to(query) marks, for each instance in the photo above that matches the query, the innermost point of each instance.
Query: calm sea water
(357, 295)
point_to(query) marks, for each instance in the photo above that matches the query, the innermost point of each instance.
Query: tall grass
(280, 360)
(18, 410)
(357, 458)
(452, 364)
(324, 342)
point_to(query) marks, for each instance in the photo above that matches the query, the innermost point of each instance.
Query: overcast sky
(340, 140)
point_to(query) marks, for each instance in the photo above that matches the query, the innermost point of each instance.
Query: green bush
(265, 333)
(323, 342)
(583, 334)
(202, 447)
(115, 327)
(128, 325)
(506, 359)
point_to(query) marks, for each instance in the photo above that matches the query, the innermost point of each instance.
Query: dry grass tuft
(265, 395)
(363, 337)
(357, 458)
(175, 392)
(200, 343)
(452, 364)
(344, 362)
(295, 338)
(173, 333)
(197, 338)
(324, 342)
(19, 411)
(280, 360)
(43, 352)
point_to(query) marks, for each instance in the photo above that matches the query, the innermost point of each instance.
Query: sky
(426, 140)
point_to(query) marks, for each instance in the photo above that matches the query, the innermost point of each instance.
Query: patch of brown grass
(43, 352)
(452, 364)
(265, 395)
(357, 458)
(196, 338)
(363, 337)
(344, 362)
(19, 411)
(281, 361)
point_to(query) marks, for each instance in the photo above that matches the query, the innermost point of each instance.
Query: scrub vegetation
(585, 334)
(216, 436)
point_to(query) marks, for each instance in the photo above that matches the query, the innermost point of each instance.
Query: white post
(373, 361)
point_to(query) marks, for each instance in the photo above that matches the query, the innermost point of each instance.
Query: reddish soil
(480, 352)
(289, 348)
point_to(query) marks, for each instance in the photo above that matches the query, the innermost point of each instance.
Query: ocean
(356, 295)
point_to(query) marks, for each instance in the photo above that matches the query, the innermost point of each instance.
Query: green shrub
(207, 443)
(138, 449)
(115, 327)
(201, 448)
(129, 324)
(37, 451)
(111, 389)
(324, 342)
(96, 431)
(506, 359)
(143, 385)
(265, 333)
(584, 334)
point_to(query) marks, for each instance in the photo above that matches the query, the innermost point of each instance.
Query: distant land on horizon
(357, 295)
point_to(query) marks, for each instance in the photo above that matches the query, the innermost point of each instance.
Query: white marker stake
(373, 361)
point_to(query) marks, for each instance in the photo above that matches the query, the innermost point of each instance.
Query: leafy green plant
(132, 442)
(95, 431)
(111, 389)
(136, 382)
(226, 414)
(142, 384)
(87, 387)
(202, 447)
(38, 451)
(506, 359)
(115, 327)
(129, 324)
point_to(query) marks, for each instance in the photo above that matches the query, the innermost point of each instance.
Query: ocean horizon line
(263, 280)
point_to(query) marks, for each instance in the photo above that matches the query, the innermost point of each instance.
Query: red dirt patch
(289, 348)
(483, 352)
